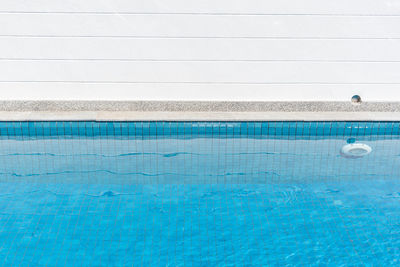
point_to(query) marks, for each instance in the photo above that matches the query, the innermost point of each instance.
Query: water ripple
(141, 173)
(166, 155)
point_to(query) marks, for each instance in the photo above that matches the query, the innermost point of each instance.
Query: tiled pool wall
(195, 152)
(191, 129)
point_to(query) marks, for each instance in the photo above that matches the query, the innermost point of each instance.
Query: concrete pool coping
(197, 111)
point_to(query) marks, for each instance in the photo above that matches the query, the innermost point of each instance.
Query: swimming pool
(198, 194)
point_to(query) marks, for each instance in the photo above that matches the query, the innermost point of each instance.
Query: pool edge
(197, 111)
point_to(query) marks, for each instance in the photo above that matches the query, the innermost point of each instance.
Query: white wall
(200, 49)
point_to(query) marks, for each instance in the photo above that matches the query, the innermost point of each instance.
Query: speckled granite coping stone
(197, 111)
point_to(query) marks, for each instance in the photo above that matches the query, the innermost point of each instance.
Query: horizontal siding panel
(200, 26)
(200, 72)
(217, 92)
(207, 6)
(198, 49)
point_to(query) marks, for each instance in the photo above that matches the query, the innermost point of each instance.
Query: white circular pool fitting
(354, 151)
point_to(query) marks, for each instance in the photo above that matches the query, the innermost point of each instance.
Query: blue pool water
(198, 194)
